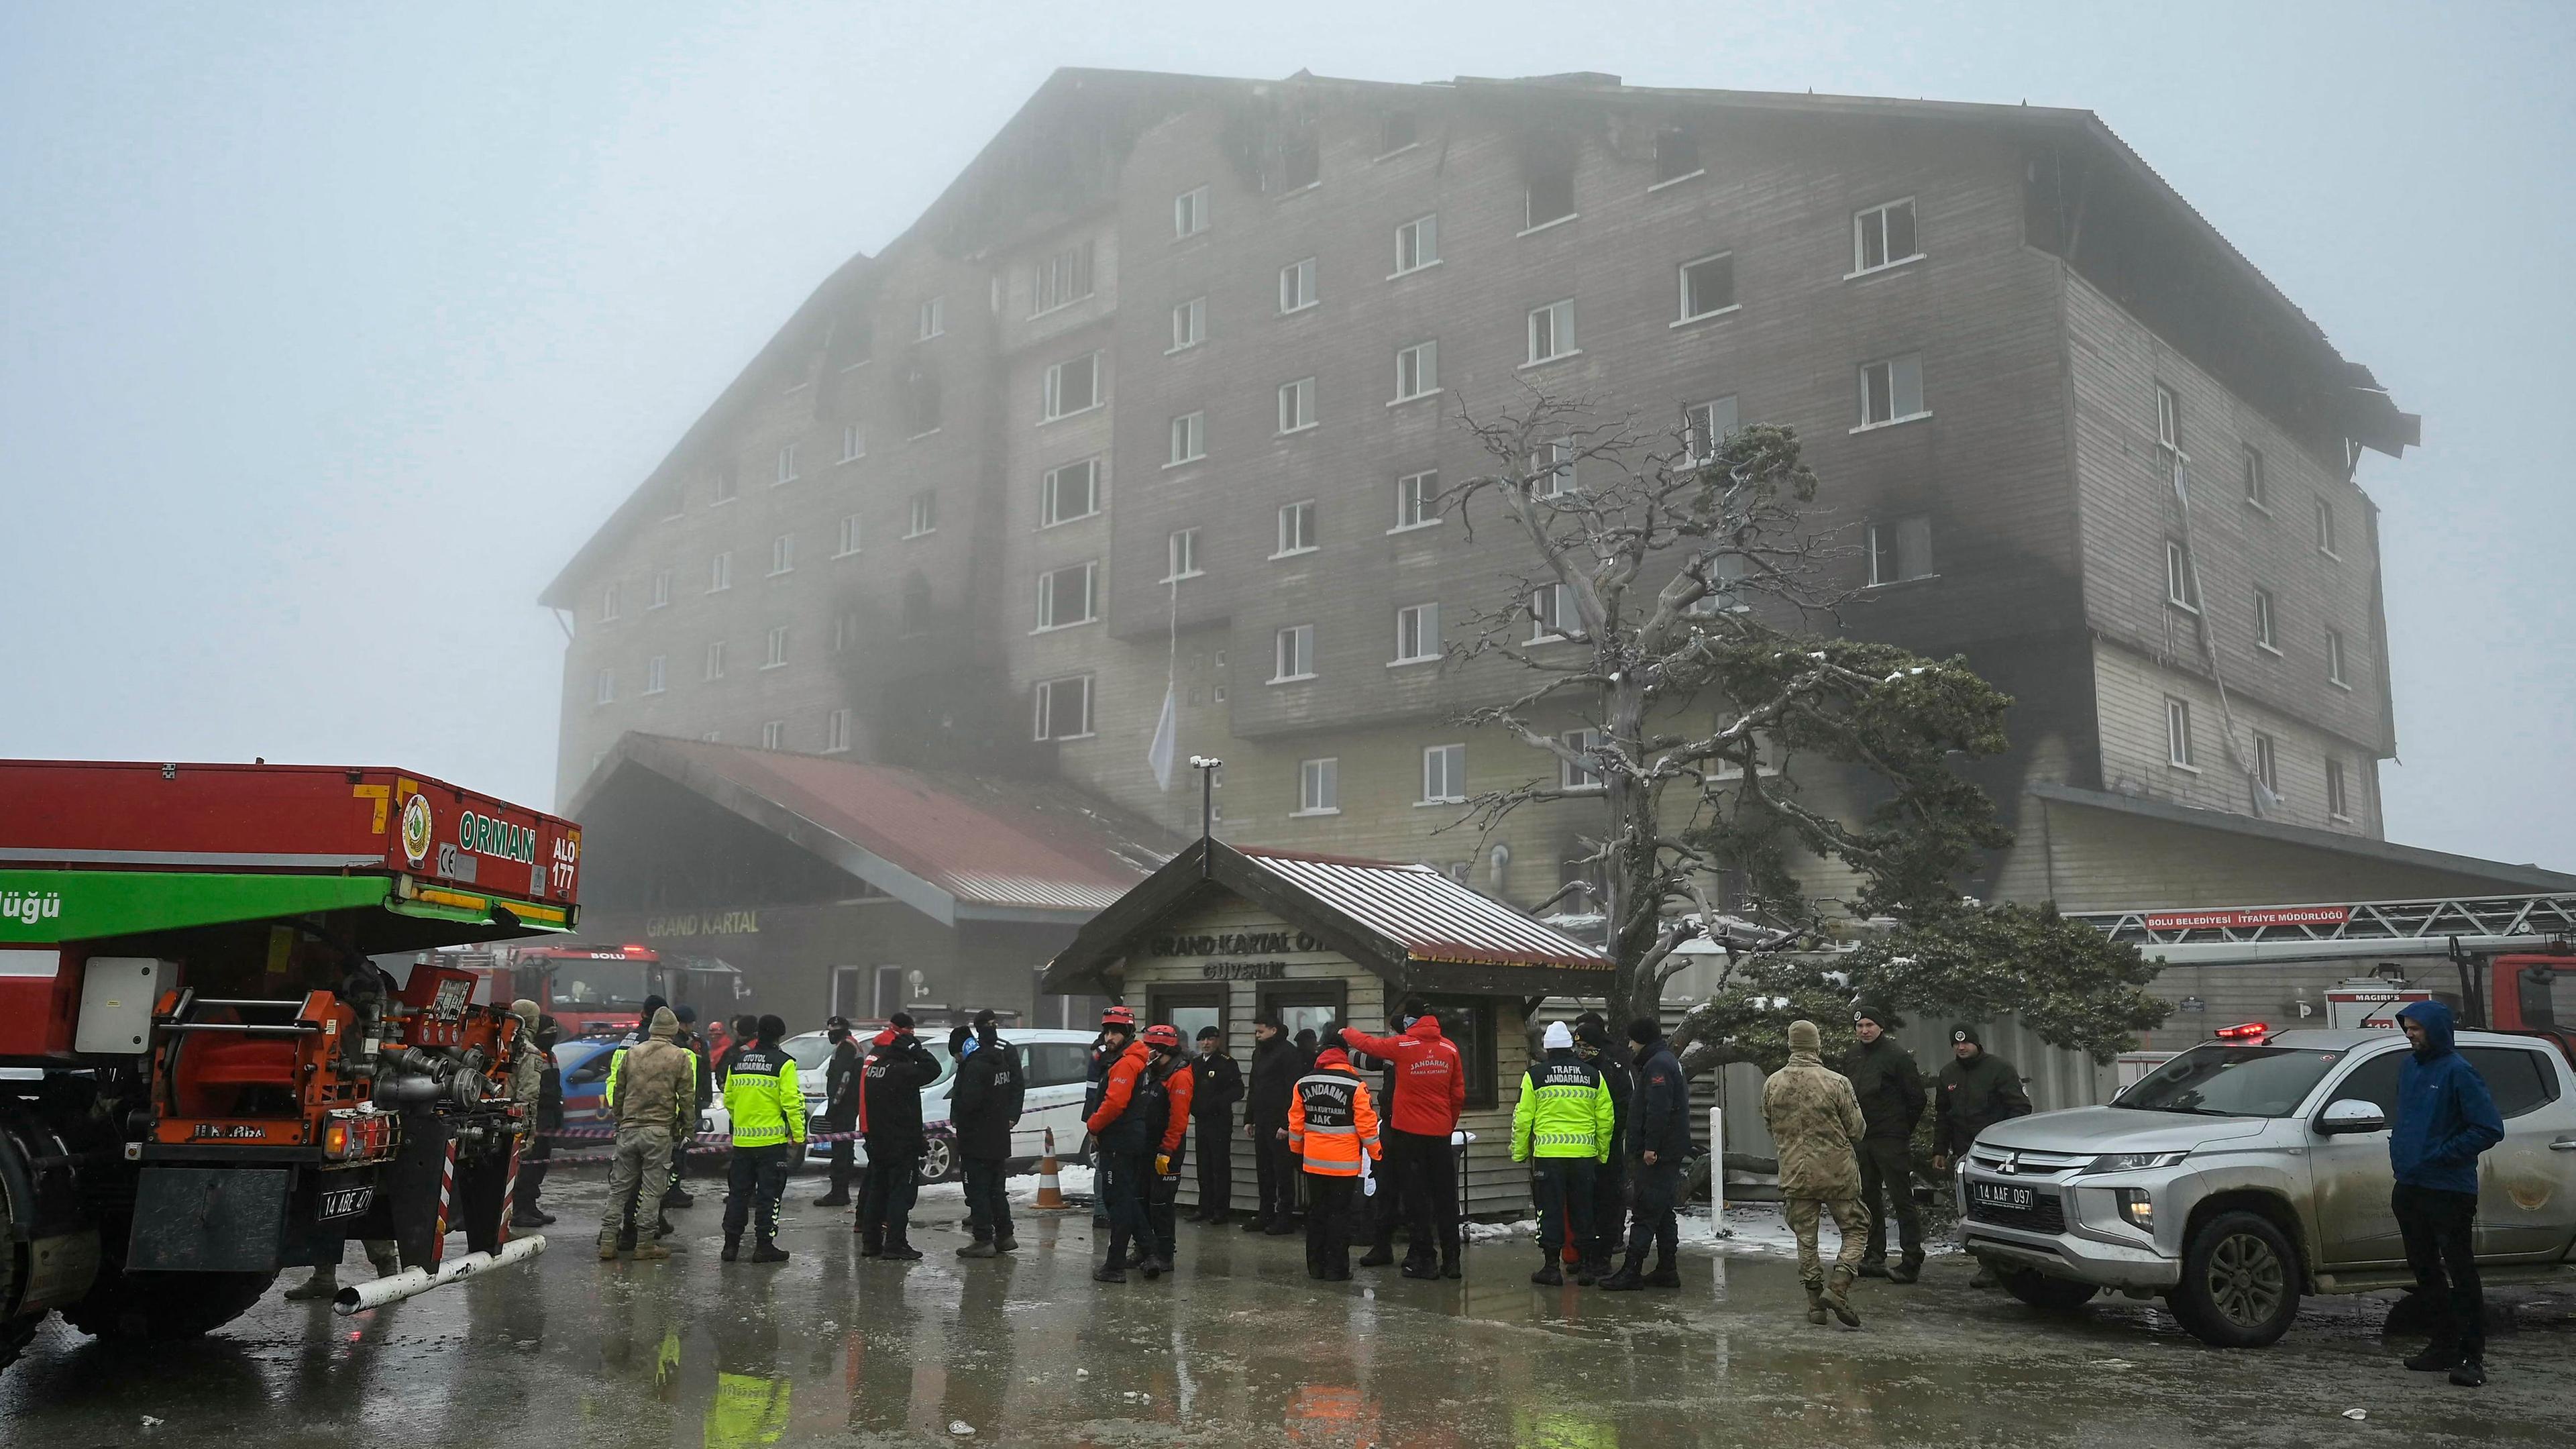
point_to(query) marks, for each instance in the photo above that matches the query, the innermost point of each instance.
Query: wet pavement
(1241, 1349)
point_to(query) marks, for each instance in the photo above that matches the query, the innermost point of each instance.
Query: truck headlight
(2134, 1161)
(2138, 1208)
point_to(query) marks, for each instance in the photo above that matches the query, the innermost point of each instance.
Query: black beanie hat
(1872, 1011)
(1966, 1034)
(1645, 1029)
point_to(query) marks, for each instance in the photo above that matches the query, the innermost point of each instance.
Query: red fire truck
(208, 1078)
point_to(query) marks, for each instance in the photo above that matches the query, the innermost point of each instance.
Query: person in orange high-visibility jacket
(1164, 1091)
(1332, 1127)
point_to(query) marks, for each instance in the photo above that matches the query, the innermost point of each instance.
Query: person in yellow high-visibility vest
(763, 1096)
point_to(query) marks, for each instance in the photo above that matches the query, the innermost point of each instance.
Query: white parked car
(1058, 1064)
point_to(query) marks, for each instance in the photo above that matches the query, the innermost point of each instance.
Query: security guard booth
(1224, 933)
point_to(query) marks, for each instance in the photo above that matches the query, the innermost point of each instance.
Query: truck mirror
(2351, 1115)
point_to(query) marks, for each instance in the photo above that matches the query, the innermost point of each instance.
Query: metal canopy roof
(1409, 924)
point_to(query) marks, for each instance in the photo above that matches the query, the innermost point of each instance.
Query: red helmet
(1119, 1016)
(1163, 1034)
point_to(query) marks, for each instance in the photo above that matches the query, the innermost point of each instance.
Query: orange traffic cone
(1050, 1192)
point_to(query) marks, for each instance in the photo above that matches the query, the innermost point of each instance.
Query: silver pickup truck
(2251, 1170)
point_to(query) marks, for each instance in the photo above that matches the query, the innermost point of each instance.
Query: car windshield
(2215, 1080)
(599, 983)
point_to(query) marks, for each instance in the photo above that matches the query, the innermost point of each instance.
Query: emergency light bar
(2244, 1031)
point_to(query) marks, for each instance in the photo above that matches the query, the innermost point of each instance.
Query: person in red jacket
(1165, 1092)
(1430, 1091)
(1124, 1137)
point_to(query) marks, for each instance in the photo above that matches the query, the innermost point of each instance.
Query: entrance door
(847, 982)
(1187, 1008)
(1318, 1006)
(889, 995)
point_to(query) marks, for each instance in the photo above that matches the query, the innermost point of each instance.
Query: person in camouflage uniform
(1815, 1122)
(656, 1099)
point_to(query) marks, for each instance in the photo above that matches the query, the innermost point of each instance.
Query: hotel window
(1552, 613)
(1415, 500)
(1297, 286)
(1551, 469)
(1571, 776)
(1708, 286)
(1444, 775)
(720, 572)
(1066, 596)
(1417, 244)
(786, 465)
(1072, 386)
(1297, 405)
(2334, 660)
(2337, 805)
(1189, 439)
(1190, 213)
(1301, 159)
(662, 589)
(1069, 492)
(1883, 236)
(921, 403)
(608, 601)
(604, 687)
(655, 670)
(1182, 554)
(773, 734)
(854, 442)
(1891, 391)
(1061, 278)
(922, 515)
(2257, 490)
(2181, 590)
(934, 318)
(1548, 195)
(1295, 654)
(2326, 529)
(845, 633)
(2267, 771)
(1900, 549)
(716, 660)
(2267, 632)
(1417, 634)
(1064, 708)
(724, 487)
(1189, 324)
(836, 732)
(1705, 425)
(2178, 733)
(1297, 531)
(782, 554)
(1417, 371)
(849, 540)
(1319, 787)
(1397, 130)
(777, 655)
(1676, 155)
(1551, 332)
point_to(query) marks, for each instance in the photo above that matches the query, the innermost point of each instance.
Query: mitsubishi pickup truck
(2252, 1170)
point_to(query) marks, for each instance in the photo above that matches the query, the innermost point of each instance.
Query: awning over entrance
(954, 847)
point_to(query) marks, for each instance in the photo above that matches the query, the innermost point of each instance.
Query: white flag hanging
(1167, 731)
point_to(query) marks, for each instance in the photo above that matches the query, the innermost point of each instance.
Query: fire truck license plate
(1995, 1194)
(347, 1202)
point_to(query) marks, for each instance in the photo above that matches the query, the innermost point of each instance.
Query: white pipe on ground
(412, 1282)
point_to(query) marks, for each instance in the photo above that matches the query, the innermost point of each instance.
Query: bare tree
(1678, 627)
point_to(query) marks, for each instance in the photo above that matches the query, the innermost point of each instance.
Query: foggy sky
(327, 334)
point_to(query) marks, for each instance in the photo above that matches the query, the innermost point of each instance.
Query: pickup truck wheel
(2240, 1284)
(2058, 1295)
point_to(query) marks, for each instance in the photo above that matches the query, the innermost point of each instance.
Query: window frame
(2338, 791)
(1424, 357)
(1302, 647)
(836, 731)
(2326, 529)
(1894, 548)
(786, 466)
(2335, 662)
(2267, 621)
(1455, 778)
(2267, 764)
(1703, 437)
(1042, 695)
(1051, 400)
(773, 734)
(1195, 309)
(1665, 175)
(1307, 287)
(1050, 501)
(1307, 534)
(1530, 219)
(1891, 364)
(661, 590)
(1181, 547)
(1548, 626)
(2181, 588)
(1560, 333)
(1044, 278)
(603, 688)
(1575, 778)
(1415, 616)
(714, 667)
(931, 321)
(854, 442)
(782, 555)
(1194, 204)
(774, 648)
(1426, 487)
(1326, 771)
(1050, 596)
(720, 571)
(921, 513)
(853, 536)
(1682, 277)
(1421, 229)
(1303, 390)
(1194, 424)
(2181, 751)
(1861, 265)
(611, 603)
(2258, 485)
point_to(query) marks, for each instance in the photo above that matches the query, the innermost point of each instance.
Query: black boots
(1666, 1275)
(2471, 1374)
(837, 1197)
(1379, 1255)
(1908, 1268)
(2436, 1357)
(732, 1247)
(768, 1251)
(1549, 1274)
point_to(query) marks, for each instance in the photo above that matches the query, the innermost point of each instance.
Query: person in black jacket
(897, 1067)
(1219, 1087)
(840, 1106)
(1276, 1066)
(1658, 1139)
(1610, 1181)
(1891, 1096)
(984, 1106)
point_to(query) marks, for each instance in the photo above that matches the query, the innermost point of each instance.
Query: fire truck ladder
(2337, 930)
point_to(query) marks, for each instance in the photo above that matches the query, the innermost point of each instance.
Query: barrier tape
(699, 1144)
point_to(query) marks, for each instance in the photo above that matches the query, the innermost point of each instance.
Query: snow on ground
(1757, 1227)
